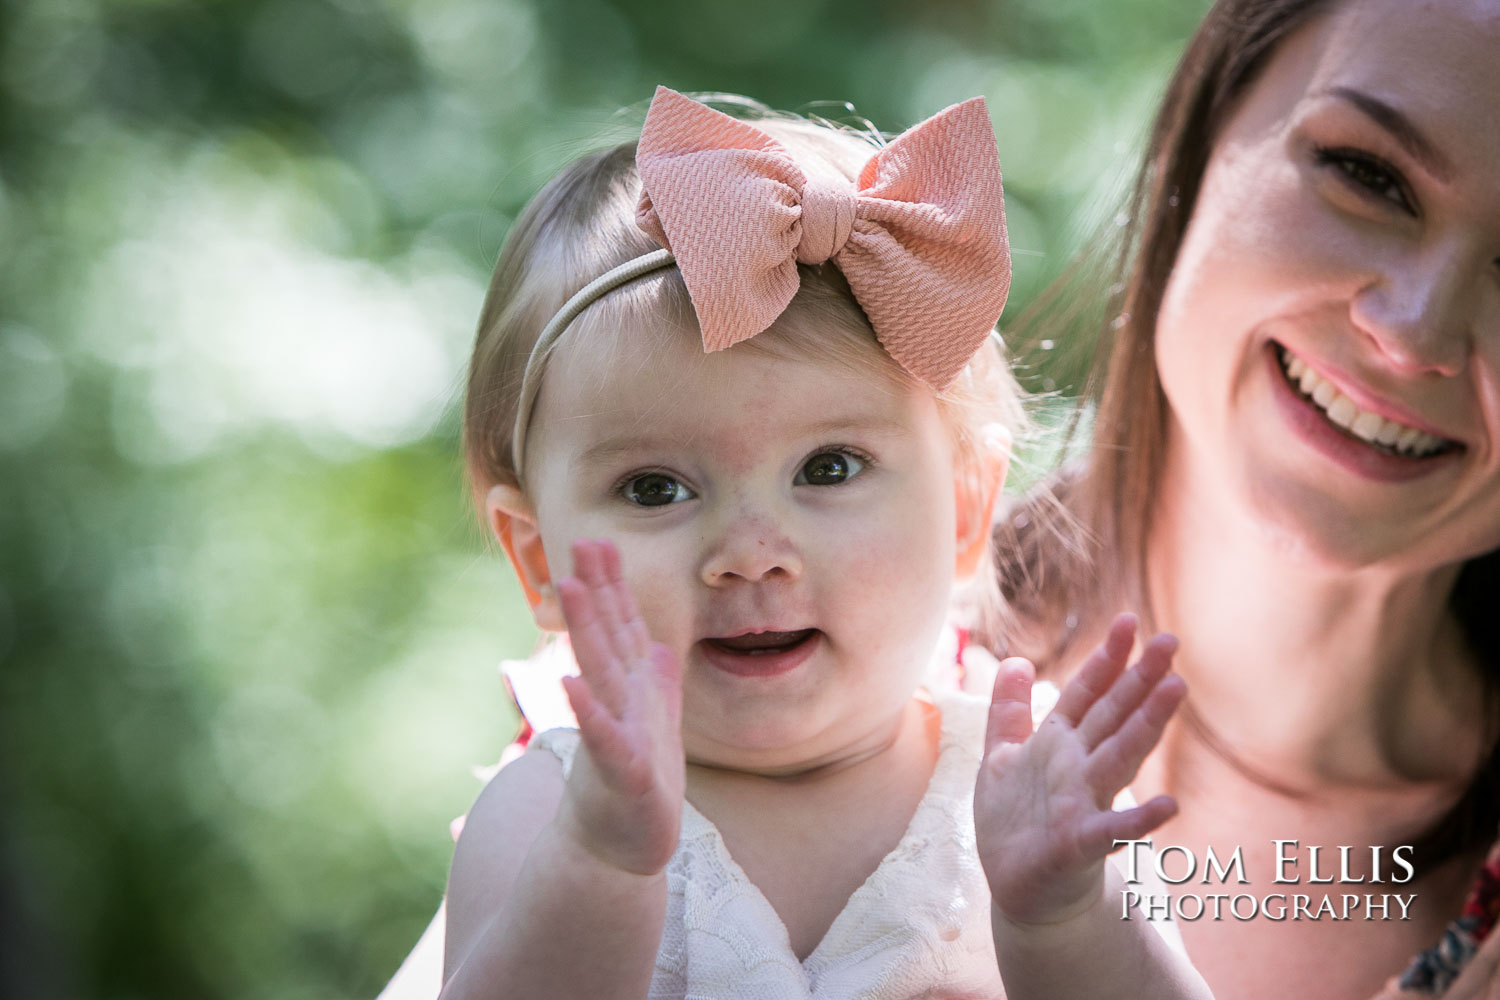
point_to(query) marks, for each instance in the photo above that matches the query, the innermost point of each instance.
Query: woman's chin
(1311, 526)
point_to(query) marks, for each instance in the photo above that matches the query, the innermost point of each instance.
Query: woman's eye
(1368, 173)
(829, 468)
(655, 489)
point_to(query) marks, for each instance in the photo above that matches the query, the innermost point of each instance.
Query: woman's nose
(749, 548)
(1421, 312)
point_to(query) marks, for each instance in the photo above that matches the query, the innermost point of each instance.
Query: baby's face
(787, 527)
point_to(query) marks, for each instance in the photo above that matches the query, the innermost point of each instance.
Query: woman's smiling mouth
(1388, 436)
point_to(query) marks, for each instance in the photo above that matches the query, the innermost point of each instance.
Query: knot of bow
(919, 235)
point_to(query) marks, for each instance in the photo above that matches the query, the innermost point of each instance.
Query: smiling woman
(1296, 468)
(1338, 240)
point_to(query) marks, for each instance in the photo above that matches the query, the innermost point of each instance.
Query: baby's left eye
(829, 468)
(655, 489)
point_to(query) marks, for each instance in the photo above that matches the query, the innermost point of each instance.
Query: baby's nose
(752, 549)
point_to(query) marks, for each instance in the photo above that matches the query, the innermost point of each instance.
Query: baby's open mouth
(763, 643)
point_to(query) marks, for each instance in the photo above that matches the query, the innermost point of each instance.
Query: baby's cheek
(902, 566)
(661, 591)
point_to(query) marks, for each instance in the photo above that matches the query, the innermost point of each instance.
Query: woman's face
(1329, 340)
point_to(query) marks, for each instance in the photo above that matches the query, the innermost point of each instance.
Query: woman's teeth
(1366, 426)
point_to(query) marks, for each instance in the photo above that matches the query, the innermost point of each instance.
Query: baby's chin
(783, 748)
(764, 752)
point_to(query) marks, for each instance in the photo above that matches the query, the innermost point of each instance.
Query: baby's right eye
(655, 489)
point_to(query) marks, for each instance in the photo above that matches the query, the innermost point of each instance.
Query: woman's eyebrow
(1401, 128)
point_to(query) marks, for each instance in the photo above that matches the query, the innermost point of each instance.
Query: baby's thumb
(1010, 704)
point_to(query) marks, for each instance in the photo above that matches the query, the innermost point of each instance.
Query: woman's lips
(1368, 459)
(1380, 423)
(761, 654)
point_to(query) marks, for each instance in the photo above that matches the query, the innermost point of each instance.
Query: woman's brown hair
(1074, 552)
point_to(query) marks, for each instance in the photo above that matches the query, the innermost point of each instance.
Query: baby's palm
(624, 795)
(1042, 805)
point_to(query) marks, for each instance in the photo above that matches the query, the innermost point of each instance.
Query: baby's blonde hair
(582, 224)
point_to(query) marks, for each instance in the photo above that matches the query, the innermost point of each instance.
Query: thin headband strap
(919, 234)
(531, 380)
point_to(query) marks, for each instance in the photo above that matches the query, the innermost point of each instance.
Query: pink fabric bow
(920, 236)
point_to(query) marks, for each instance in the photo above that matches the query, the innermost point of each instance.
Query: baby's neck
(808, 840)
(909, 740)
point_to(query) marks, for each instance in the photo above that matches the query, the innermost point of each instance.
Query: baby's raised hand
(1042, 802)
(623, 800)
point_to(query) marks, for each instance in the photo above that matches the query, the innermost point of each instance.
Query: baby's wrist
(610, 852)
(1060, 919)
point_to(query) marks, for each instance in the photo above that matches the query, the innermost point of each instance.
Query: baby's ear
(976, 490)
(513, 520)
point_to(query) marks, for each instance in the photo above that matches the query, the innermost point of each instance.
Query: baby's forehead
(659, 384)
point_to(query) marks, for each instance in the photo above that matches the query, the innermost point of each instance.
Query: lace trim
(920, 920)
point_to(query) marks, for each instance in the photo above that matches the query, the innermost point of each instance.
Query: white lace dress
(918, 927)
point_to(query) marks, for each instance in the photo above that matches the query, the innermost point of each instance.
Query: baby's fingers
(597, 565)
(1098, 671)
(1113, 764)
(1010, 705)
(605, 740)
(1128, 691)
(593, 648)
(1099, 834)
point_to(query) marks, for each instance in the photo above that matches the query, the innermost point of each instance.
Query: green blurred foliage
(248, 626)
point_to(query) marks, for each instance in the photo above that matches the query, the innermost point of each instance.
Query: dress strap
(560, 743)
